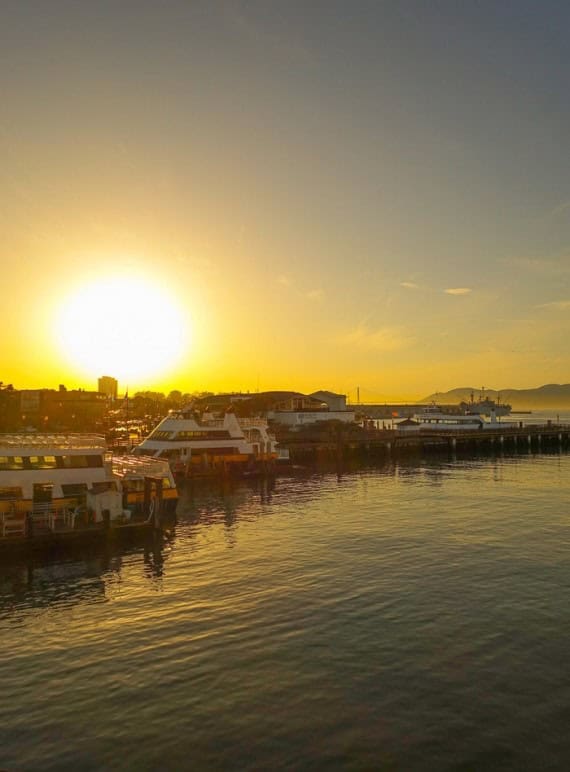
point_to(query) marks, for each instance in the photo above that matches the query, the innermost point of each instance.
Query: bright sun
(125, 327)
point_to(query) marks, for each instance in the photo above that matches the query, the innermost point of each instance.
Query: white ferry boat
(195, 443)
(433, 418)
(62, 479)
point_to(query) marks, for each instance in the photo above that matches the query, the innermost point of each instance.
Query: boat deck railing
(45, 520)
(57, 441)
(245, 423)
(141, 466)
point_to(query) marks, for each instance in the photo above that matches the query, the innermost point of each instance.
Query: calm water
(405, 617)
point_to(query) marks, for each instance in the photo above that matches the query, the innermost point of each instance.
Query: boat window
(41, 462)
(94, 461)
(74, 489)
(196, 454)
(102, 487)
(42, 492)
(213, 434)
(75, 462)
(11, 462)
(160, 435)
(133, 484)
(10, 493)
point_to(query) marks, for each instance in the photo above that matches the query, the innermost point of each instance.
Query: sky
(281, 194)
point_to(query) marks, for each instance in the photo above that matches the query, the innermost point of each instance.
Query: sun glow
(123, 326)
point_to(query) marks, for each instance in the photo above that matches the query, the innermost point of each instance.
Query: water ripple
(411, 617)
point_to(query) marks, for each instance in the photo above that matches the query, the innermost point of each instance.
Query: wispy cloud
(316, 294)
(555, 305)
(458, 290)
(563, 207)
(409, 285)
(380, 339)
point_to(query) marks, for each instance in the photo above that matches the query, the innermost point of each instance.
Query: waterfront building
(288, 408)
(408, 425)
(108, 386)
(300, 410)
(9, 408)
(62, 410)
(336, 402)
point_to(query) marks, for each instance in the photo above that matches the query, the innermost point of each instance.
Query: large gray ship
(485, 406)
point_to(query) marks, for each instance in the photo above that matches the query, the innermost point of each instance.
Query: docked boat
(200, 443)
(61, 482)
(485, 406)
(434, 419)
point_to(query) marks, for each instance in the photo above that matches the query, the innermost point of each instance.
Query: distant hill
(552, 395)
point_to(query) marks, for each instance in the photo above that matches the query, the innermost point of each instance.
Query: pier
(386, 410)
(377, 442)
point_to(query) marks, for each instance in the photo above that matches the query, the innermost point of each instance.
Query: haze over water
(410, 616)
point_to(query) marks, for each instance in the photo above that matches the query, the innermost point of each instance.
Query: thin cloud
(560, 209)
(409, 285)
(457, 290)
(555, 305)
(381, 339)
(315, 295)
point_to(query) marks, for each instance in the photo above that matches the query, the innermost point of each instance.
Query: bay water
(412, 615)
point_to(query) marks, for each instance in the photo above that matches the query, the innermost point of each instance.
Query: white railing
(12, 524)
(142, 466)
(15, 524)
(63, 441)
(257, 422)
